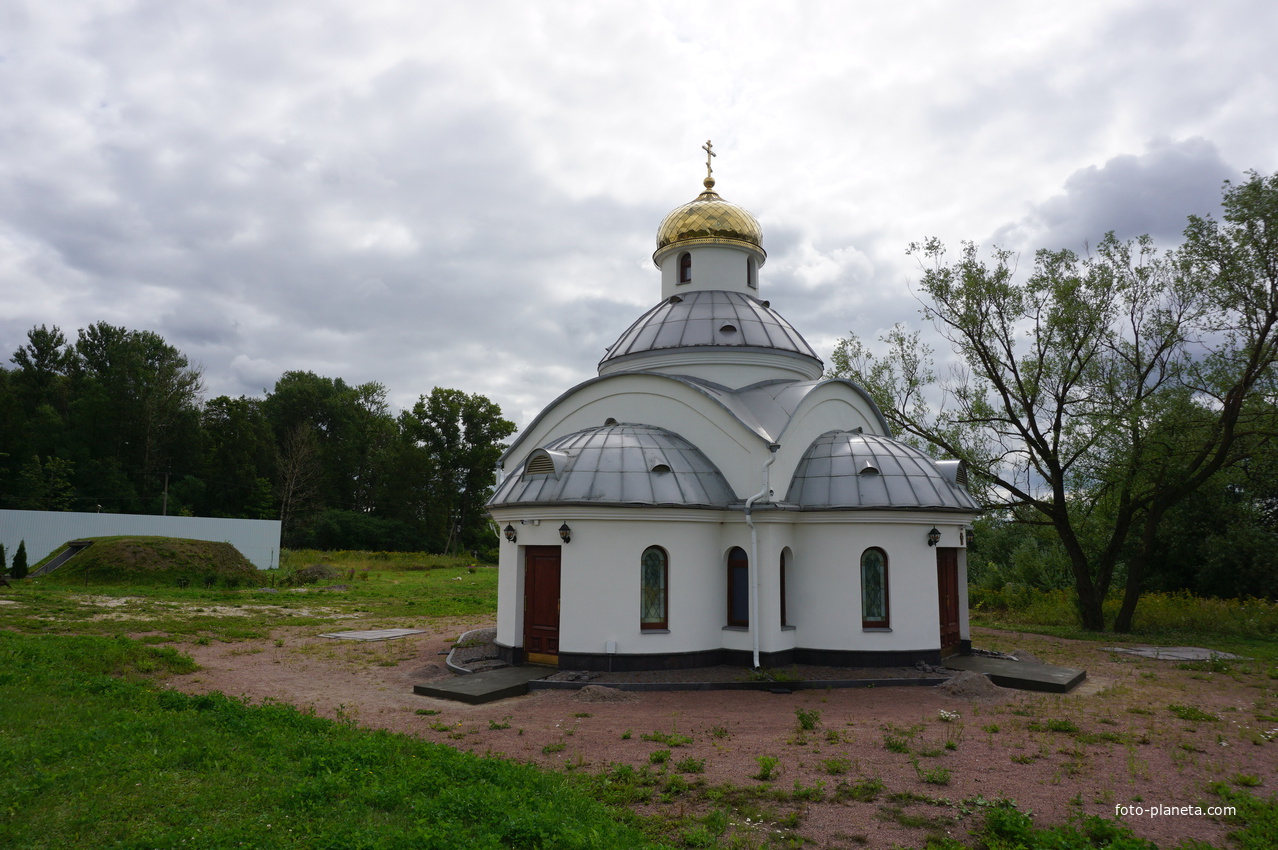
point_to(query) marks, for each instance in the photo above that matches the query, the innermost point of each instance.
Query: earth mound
(971, 685)
(157, 561)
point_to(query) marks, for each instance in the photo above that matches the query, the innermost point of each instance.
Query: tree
(459, 438)
(45, 485)
(136, 401)
(1099, 392)
(19, 568)
(238, 458)
(299, 475)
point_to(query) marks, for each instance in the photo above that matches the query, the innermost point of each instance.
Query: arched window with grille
(874, 590)
(738, 587)
(785, 617)
(654, 592)
(685, 267)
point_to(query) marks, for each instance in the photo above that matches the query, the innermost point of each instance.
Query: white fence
(257, 539)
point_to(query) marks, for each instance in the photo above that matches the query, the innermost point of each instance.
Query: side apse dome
(849, 470)
(617, 464)
(707, 220)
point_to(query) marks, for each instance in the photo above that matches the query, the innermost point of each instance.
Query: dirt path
(1129, 748)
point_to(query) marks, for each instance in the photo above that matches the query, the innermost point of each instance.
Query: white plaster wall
(826, 593)
(652, 400)
(714, 267)
(599, 578)
(258, 540)
(601, 588)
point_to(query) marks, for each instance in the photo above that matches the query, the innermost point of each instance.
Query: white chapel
(710, 499)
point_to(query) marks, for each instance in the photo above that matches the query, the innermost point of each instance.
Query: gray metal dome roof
(710, 318)
(617, 464)
(848, 469)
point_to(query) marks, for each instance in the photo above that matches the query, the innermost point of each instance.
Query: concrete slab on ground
(1175, 653)
(489, 686)
(375, 634)
(1022, 675)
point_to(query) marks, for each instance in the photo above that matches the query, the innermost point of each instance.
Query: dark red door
(948, 591)
(541, 604)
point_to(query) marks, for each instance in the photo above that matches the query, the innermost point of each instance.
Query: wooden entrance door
(541, 604)
(948, 593)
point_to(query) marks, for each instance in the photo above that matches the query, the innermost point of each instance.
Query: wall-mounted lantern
(933, 536)
(510, 533)
(565, 533)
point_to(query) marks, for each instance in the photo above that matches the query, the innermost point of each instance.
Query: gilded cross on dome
(708, 147)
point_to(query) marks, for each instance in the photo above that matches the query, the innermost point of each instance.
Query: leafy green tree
(4, 561)
(19, 568)
(238, 458)
(1097, 393)
(45, 485)
(352, 429)
(135, 401)
(42, 366)
(459, 440)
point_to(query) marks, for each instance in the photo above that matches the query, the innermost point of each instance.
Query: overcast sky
(467, 194)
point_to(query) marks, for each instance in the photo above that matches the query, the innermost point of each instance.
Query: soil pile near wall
(157, 560)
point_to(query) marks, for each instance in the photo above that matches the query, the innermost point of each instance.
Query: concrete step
(1022, 675)
(488, 686)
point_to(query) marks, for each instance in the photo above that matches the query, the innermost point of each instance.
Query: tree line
(1118, 409)
(115, 421)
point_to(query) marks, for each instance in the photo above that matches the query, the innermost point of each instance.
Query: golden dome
(709, 219)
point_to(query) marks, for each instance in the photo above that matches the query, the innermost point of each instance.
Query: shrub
(20, 560)
(767, 767)
(315, 573)
(808, 718)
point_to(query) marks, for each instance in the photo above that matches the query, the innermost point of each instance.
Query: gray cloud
(467, 196)
(1152, 193)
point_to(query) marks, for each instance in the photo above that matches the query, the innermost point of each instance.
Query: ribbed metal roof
(848, 469)
(620, 464)
(714, 318)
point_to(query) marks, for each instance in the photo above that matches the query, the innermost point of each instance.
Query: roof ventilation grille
(660, 468)
(728, 329)
(540, 464)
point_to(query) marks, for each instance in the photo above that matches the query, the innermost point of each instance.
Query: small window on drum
(874, 590)
(654, 593)
(752, 273)
(685, 267)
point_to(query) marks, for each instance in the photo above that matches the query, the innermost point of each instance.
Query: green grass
(388, 595)
(1241, 626)
(94, 754)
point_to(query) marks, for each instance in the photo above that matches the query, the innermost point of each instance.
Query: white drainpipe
(754, 551)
